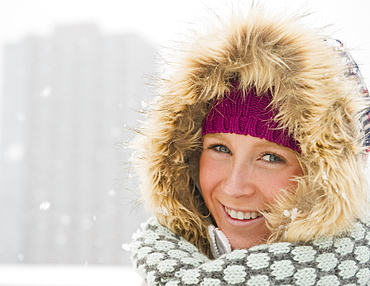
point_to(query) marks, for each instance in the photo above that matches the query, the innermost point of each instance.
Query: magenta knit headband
(247, 114)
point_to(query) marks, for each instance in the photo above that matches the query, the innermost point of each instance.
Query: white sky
(155, 18)
(163, 20)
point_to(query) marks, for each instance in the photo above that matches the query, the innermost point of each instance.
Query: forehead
(236, 138)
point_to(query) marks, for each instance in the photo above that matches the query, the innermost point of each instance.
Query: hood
(317, 101)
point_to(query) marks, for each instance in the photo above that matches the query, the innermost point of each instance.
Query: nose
(240, 182)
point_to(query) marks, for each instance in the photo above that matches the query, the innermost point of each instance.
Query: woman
(252, 159)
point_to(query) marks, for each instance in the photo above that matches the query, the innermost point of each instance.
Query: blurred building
(66, 102)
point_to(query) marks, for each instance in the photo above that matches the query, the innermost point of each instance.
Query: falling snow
(44, 206)
(325, 177)
(126, 246)
(45, 93)
(144, 104)
(14, 153)
(293, 213)
(112, 192)
(162, 210)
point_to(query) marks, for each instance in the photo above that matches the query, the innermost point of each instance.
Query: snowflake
(293, 213)
(44, 206)
(126, 246)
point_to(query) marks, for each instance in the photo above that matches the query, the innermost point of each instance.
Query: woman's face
(239, 176)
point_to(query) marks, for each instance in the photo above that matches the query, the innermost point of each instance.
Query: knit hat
(247, 113)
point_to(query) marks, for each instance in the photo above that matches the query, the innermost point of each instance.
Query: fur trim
(316, 102)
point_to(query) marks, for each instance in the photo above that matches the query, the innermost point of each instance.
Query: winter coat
(322, 102)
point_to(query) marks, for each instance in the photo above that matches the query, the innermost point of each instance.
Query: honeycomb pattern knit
(164, 258)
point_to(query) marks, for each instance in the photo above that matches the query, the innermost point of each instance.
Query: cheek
(208, 176)
(275, 185)
(204, 174)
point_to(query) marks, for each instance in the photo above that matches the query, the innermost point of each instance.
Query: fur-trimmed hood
(318, 103)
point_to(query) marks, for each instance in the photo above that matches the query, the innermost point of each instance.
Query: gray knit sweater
(164, 258)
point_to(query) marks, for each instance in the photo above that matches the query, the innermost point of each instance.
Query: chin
(246, 241)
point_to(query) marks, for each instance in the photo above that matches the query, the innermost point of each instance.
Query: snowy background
(73, 73)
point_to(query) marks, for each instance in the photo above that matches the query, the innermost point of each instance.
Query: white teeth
(233, 214)
(242, 215)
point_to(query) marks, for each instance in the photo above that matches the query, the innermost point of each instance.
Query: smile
(242, 215)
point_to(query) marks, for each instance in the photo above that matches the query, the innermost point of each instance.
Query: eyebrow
(267, 143)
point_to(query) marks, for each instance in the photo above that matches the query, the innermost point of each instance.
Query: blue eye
(223, 149)
(272, 158)
(220, 148)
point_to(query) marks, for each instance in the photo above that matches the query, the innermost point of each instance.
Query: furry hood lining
(317, 104)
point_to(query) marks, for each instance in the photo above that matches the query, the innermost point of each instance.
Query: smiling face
(239, 176)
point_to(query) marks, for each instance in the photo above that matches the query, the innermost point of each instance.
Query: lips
(240, 215)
